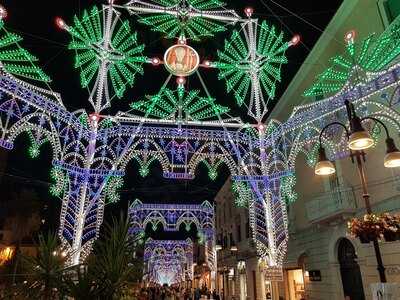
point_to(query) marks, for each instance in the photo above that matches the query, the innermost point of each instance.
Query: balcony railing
(331, 205)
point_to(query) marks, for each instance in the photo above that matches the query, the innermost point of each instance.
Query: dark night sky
(35, 21)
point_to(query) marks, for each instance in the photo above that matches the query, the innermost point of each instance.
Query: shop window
(392, 8)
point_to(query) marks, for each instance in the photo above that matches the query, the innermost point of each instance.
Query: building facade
(240, 272)
(323, 261)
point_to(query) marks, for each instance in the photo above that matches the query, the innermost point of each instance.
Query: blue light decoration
(92, 150)
(168, 261)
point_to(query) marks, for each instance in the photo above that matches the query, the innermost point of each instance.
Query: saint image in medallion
(181, 60)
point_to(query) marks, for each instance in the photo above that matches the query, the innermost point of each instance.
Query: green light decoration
(114, 184)
(201, 238)
(17, 60)
(84, 119)
(242, 193)
(180, 105)
(139, 239)
(212, 169)
(34, 151)
(241, 69)
(119, 56)
(288, 193)
(60, 180)
(181, 23)
(107, 123)
(34, 148)
(312, 155)
(359, 62)
(144, 165)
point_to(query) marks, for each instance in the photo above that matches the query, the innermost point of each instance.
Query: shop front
(295, 284)
(202, 277)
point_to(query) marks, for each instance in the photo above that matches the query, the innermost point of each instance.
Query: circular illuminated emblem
(181, 60)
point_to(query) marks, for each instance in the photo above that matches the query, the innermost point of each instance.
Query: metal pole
(361, 173)
(223, 285)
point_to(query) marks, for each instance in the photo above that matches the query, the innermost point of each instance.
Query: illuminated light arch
(163, 255)
(212, 158)
(156, 154)
(174, 215)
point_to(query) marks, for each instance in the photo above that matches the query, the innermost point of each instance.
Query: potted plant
(391, 227)
(367, 228)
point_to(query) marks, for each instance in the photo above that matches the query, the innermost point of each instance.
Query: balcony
(327, 207)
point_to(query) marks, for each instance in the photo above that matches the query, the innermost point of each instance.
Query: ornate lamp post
(358, 140)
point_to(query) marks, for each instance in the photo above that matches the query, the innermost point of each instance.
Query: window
(239, 233)
(334, 182)
(224, 213)
(392, 8)
(231, 241)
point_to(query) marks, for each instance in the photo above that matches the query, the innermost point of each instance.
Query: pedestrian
(197, 294)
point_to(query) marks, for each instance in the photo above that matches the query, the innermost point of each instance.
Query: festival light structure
(168, 261)
(178, 127)
(171, 217)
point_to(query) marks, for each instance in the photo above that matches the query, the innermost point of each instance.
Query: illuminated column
(82, 207)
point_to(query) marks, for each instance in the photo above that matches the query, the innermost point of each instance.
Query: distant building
(240, 274)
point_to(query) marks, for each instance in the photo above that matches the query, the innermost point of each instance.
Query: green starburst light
(121, 56)
(17, 60)
(180, 105)
(243, 70)
(359, 62)
(182, 23)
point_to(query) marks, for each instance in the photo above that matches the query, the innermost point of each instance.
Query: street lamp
(359, 139)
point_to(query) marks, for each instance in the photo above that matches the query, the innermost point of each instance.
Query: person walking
(197, 294)
(215, 296)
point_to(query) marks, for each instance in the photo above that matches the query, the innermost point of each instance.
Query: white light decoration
(168, 261)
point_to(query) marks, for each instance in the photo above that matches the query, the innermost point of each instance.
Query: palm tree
(113, 261)
(106, 274)
(45, 270)
(79, 283)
